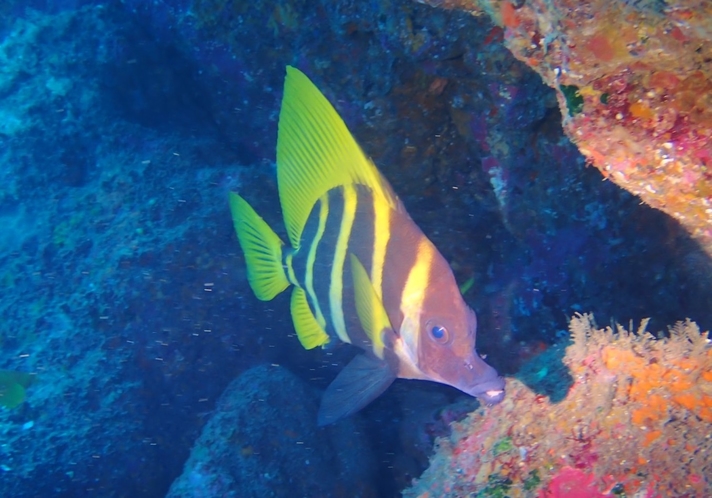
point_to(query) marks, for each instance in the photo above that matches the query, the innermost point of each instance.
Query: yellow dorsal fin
(371, 313)
(316, 153)
(309, 332)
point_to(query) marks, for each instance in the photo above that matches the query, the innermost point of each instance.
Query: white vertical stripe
(311, 258)
(336, 287)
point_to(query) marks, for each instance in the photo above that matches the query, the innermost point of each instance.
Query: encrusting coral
(634, 84)
(634, 421)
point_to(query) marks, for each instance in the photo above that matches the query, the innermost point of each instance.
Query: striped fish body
(362, 271)
(340, 224)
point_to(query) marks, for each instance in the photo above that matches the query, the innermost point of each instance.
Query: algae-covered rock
(635, 422)
(634, 84)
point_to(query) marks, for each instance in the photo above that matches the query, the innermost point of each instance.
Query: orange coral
(636, 418)
(652, 384)
(508, 15)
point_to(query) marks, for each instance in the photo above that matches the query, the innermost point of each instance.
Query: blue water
(124, 125)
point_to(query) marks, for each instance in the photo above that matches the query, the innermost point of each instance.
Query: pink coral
(571, 483)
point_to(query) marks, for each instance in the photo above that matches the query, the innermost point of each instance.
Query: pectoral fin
(359, 383)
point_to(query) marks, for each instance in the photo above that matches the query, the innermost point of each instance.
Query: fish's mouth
(490, 392)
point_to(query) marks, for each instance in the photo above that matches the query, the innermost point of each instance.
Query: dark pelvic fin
(359, 383)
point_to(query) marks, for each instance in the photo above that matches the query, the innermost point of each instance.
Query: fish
(361, 270)
(12, 387)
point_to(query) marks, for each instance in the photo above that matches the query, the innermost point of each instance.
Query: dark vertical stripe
(325, 255)
(360, 245)
(361, 239)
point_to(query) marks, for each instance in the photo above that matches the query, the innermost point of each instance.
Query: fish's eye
(440, 334)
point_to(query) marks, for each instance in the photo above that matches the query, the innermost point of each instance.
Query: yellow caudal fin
(369, 307)
(316, 153)
(262, 248)
(309, 332)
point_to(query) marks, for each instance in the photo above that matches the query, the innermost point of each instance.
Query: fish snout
(487, 385)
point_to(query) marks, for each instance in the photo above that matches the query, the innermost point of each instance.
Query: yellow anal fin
(262, 248)
(316, 153)
(371, 313)
(309, 332)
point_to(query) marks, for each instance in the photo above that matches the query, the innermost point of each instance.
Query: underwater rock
(634, 422)
(634, 84)
(122, 135)
(263, 441)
